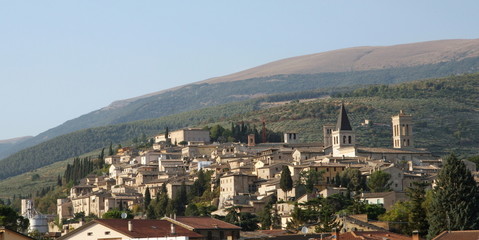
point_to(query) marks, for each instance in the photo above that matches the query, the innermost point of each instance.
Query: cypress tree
(59, 181)
(286, 182)
(147, 198)
(110, 150)
(454, 204)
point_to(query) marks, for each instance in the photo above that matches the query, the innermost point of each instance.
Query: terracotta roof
(390, 150)
(202, 223)
(12, 234)
(454, 235)
(141, 228)
(371, 235)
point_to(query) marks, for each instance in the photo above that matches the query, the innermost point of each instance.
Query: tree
(162, 201)
(192, 210)
(147, 200)
(352, 179)
(418, 216)
(181, 200)
(199, 185)
(379, 182)
(327, 219)
(110, 149)
(454, 204)
(286, 182)
(247, 221)
(309, 179)
(10, 219)
(268, 217)
(398, 216)
(102, 154)
(116, 214)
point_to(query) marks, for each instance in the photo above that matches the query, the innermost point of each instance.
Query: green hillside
(446, 113)
(201, 95)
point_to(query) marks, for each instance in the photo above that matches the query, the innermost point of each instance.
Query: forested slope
(446, 116)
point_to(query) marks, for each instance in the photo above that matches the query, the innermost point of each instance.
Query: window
(349, 139)
(344, 139)
(89, 234)
(107, 233)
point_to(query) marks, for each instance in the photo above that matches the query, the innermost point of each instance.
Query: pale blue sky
(62, 59)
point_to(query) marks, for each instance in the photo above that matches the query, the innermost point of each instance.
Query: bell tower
(343, 137)
(402, 130)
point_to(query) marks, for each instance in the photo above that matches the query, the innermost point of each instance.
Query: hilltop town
(251, 178)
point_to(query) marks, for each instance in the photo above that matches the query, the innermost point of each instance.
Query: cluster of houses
(248, 174)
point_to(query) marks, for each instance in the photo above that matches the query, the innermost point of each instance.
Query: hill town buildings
(247, 175)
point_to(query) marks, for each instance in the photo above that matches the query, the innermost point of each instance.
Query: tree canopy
(454, 204)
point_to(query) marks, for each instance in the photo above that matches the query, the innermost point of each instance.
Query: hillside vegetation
(330, 70)
(446, 115)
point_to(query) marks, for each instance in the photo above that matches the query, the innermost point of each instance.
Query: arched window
(349, 139)
(344, 139)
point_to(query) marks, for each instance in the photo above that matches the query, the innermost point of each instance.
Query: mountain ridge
(446, 57)
(466, 45)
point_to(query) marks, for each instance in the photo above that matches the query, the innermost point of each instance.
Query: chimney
(415, 235)
(130, 226)
(173, 229)
(336, 233)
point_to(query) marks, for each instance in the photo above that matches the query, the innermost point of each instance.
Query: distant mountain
(351, 68)
(445, 113)
(15, 140)
(364, 59)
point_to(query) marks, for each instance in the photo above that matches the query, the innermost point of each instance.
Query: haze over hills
(345, 68)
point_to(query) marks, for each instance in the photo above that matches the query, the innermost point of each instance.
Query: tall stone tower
(402, 130)
(344, 138)
(327, 134)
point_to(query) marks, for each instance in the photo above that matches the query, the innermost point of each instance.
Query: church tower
(343, 137)
(402, 130)
(327, 134)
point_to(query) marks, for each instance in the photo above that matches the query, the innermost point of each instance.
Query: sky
(62, 59)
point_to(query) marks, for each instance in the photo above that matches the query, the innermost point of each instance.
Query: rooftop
(140, 228)
(454, 235)
(202, 223)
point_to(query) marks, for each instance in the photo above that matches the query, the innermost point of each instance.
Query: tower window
(344, 139)
(349, 139)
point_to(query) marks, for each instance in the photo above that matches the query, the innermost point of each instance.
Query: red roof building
(455, 235)
(128, 229)
(211, 228)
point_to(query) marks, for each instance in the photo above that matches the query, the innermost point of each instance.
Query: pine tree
(454, 204)
(286, 182)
